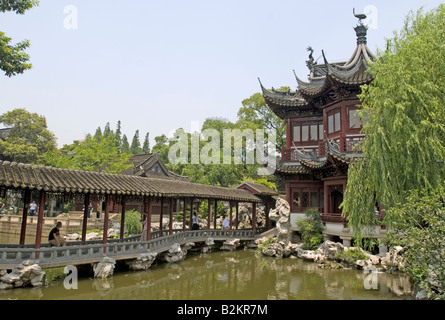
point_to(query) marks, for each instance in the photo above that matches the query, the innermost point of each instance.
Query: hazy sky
(160, 65)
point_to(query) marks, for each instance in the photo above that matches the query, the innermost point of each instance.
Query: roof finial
(361, 30)
(359, 16)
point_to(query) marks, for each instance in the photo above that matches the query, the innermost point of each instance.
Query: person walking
(195, 225)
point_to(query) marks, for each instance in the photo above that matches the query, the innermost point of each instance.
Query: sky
(161, 65)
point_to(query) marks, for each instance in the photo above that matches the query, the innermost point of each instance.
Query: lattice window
(314, 199)
(296, 199)
(305, 200)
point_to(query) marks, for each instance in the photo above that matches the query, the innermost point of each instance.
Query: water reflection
(240, 275)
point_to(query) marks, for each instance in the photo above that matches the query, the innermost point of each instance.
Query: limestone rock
(281, 214)
(230, 245)
(28, 273)
(105, 268)
(142, 262)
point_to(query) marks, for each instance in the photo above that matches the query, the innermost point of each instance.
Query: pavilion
(88, 186)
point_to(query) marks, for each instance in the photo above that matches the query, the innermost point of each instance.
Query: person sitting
(54, 238)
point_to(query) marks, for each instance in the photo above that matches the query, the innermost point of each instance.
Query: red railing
(346, 144)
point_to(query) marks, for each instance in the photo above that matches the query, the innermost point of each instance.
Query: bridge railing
(76, 253)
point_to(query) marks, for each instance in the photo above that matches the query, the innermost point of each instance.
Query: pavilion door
(336, 200)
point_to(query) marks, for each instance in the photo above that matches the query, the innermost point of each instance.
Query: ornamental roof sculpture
(327, 82)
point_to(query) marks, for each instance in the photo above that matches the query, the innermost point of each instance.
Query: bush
(418, 226)
(311, 230)
(350, 256)
(133, 223)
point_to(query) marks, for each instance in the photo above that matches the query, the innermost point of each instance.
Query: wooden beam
(42, 200)
(86, 203)
(191, 214)
(123, 204)
(230, 213)
(209, 213)
(215, 213)
(237, 216)
(26, 201)
(106, 217)
(254, 217)
(162, 214)
(149, 212)
(184, 215)
(170, 221)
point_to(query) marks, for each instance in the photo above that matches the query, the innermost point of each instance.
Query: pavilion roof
(54, 180)
(259, 188)
(325, 80)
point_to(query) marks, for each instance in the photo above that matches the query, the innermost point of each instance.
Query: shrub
(350, 256)
(311, 230)
(133, 224)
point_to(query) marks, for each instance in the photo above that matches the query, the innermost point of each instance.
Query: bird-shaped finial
(360, 16)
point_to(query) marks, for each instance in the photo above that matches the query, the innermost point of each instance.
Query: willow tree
(404, 120)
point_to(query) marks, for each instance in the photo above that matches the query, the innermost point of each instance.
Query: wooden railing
(346, 145)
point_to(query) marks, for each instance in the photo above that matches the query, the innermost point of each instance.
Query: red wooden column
(162, 214)
(85, 218)
(106, 217)
(170, 220)
(209, 213)
(230, 213)
(184, 215)
(26, 201)
(191, 214)
(42, 200)
(215, 214)
(123, 204)
(254, 217)
(237, 216)
(149, 212)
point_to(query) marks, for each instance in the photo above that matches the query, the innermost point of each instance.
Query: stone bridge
(76, 253)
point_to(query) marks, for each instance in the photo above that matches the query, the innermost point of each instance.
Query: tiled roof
(21, 176)
(144, 162)
(261, 189)
(323, 82)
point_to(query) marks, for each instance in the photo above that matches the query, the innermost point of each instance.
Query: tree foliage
(100, 153)
(13, 58)
(418, 225)
(28, 139)
(404, 115)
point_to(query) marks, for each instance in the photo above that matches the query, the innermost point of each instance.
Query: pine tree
(125, 146)
(135, 147)
(146, 146)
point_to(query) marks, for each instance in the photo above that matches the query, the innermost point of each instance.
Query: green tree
(161, 147)
(135, 147)
(29, 138)
(418, 225)
(95, 153)
(404, 115)
(255, 114)
(125, 146)
(146, 145)
(118, 135)
(13, 58)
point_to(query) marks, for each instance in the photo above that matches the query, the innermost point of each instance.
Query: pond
(238, 275)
